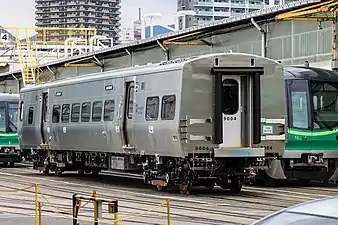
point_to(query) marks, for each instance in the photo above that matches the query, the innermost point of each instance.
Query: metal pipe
(66, 44)
(260, 29)
(334, 63)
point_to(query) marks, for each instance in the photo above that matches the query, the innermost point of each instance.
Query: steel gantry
(326, 10)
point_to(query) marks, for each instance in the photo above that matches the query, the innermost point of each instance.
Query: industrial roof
(216, 25)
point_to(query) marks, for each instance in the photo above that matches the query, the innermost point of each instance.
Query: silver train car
(183, 122)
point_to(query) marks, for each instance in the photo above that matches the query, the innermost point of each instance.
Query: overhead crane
(324, 11)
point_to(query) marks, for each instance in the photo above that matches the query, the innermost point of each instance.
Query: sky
(21, 13)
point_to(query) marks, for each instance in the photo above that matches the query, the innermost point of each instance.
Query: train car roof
(310, 73)
(8, 97)
(175, 64)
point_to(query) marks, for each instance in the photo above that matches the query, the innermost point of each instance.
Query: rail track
(204, 207)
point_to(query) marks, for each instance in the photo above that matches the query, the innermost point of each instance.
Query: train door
(44, 118)
(231, 111)
(237, 106)
(127, 126)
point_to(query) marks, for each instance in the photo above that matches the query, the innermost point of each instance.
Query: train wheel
(11, 164)
(210, 185)
(236, 186)
(95, 172)
(185, 188)
(160, 188)
(81, 172)
(58, 172)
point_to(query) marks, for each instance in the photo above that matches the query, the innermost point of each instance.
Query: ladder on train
(28, 61)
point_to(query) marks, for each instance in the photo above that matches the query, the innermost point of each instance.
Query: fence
(112, 207)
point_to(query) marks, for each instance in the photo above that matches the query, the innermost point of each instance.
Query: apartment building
(104, 15)
(209, 10)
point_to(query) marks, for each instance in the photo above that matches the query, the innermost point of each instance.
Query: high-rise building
(208, 10)
(100, 14)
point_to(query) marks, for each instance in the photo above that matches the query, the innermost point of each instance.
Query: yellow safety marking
(18, 190)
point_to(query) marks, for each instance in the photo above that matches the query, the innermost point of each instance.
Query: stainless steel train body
(9, 142)
(299, 132)
(179, 122)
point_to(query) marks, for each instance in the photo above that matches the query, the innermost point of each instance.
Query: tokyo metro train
(306, 107)
(183, 122)
(10, 152)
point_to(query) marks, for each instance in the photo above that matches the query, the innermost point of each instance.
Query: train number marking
(230, 118)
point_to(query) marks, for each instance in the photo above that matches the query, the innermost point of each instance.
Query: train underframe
(310, 167)
(162, 172)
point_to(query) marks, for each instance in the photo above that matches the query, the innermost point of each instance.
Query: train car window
(130, 102)
(56, 114)
(30, 115)
(152, 105)
(168, 107)
(65, 113)
(13, 116)
(230, 96)
(85, 112)
(21, 111)
(109, 107)
(3, 116)
(97, 111)
(75, 117)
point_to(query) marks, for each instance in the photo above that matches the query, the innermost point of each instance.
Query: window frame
(30, 115)
(90, 110)
(308, 105)
(157, 108)
(94, 119)
(72, 113)
(105, 110)
(56, 106)
(163, 108)
(63, 114)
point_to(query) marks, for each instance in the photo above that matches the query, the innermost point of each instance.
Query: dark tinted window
(230, 96)
(56, 114)
(287, 218)
(75, 112)
(168, 107)
(109, 107)
(152, 108)
(65, 113)
(30, 115)
(97, 111)
(85, 112)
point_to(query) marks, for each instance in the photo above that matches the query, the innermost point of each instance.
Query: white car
(318, 212)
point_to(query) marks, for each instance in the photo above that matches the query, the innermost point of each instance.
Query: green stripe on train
(298, 139)
(9, 139)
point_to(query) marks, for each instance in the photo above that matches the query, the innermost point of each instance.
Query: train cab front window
(299, 107)
(325, 104)
(13, 117)
(2, 117)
